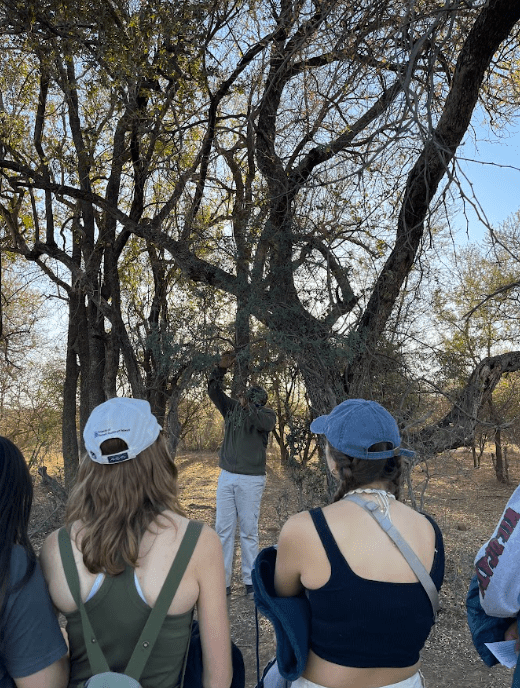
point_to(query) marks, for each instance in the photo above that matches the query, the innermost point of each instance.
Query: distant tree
(22, 304)
(472, 327)
(33, 413)
(30, 380)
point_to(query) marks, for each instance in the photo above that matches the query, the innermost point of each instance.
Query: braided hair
(354, 473)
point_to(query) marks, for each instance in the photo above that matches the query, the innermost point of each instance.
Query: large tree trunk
(96, 344)
(173, 423)
(83, 350)
(241, 370)
(493, 25)
(70, 447)
(499, 458)
(457, 428)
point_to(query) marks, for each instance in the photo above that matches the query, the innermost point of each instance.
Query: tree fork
(491, 28)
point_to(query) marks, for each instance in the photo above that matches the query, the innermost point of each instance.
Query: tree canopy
(288, 157)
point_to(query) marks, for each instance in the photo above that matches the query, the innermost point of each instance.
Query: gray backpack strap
(413, 560)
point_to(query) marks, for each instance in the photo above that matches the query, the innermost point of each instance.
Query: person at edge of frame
(33, 651)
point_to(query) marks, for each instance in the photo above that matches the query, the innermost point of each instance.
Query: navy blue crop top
(359, 622)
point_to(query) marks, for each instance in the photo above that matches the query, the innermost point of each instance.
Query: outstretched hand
(227, 359)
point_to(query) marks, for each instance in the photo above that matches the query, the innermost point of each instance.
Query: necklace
(382, 497)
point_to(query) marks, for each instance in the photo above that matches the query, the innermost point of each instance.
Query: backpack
(102, 676)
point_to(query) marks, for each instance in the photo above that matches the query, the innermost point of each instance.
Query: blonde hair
(116, 504)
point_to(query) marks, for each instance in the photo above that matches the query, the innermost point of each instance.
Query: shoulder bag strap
(155, 621)
(405, 549)
(143, 649)
(96, 658)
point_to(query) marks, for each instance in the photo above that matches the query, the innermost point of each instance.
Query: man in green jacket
(242, 461)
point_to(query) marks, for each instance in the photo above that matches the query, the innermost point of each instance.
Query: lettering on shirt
(487, 564)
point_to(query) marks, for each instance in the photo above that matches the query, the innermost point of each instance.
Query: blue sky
(492, 164)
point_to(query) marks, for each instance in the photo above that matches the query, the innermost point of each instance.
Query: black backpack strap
(96, 658)
(257, 628)
(143, 649)
(413, 560)
(185, 661)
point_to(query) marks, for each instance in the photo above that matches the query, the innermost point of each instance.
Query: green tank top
(118, 614)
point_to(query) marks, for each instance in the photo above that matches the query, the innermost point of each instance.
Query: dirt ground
(466, 503)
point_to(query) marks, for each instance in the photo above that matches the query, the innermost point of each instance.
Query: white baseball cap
(130, 420)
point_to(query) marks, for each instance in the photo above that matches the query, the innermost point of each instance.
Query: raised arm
(262, 418)
(215, 393)
(212, 612)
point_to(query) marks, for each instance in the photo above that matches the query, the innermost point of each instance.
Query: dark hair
(257, 395)
(16, 495)
(354, 473)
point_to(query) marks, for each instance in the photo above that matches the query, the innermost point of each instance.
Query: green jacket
(246, 430)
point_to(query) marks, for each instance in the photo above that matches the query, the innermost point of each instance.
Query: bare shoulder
(413, 515)
(171, 530)
(49, 553)
(297, 521)
(208, 560)
(51, 541)
(208, 537)
(52, 567)
(413, 522)
(298, 546)
(297, 528)
(177, 525)
(208, 546)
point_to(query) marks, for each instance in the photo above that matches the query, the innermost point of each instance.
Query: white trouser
(415, 681)
(238, 498)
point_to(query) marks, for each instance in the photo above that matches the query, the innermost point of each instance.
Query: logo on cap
(116, 458)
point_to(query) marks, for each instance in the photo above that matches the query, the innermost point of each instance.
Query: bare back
(202, 585)
(156, 554)
(370, 554)
(367, 548)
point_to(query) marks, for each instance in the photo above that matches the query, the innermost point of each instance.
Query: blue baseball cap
(355, 425)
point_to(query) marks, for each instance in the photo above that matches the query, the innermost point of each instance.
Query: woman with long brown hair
(126, 526)
(370, 615)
